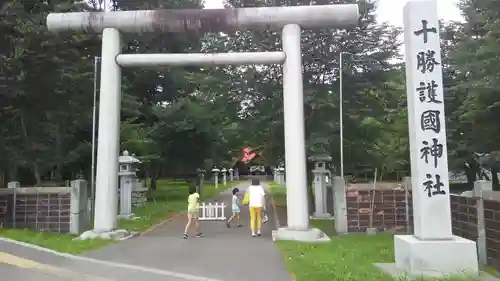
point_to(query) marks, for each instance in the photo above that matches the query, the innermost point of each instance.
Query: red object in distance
(247, 155)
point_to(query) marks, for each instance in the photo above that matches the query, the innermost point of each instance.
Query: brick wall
(389, 210)
(41, 209)
(464, 217)
(390, 215)
(492, 227)
(464, 223)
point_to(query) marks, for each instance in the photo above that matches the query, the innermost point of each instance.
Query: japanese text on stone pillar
(430, 120)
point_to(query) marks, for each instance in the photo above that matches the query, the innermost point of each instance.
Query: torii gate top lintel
(206, 20)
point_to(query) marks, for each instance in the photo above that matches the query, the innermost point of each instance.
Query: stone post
(237, 174)
(78, 206)
(329, 193)
(231, 174)
(224, 176)
(13, 185)
(201, 180)
(407, 188)
(281, 176)
(215, 172)
(275, 175)
(320, 211)
(480, 187)
(340, 205)
(126, 187)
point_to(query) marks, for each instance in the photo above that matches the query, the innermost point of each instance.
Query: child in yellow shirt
(192, 213)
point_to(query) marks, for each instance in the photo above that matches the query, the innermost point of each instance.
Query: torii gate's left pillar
(109, 133)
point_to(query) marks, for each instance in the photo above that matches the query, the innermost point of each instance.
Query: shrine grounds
(348, 257)
(168, 200)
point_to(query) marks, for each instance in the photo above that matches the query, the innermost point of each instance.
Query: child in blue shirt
(235, 207)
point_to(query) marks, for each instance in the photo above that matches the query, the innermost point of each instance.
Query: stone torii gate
(289, 19)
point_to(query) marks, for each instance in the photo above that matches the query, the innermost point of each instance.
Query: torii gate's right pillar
(298, 227)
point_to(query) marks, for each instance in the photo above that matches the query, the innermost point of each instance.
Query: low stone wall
(50, 209)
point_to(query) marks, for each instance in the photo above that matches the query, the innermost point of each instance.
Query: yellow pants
(255, 218)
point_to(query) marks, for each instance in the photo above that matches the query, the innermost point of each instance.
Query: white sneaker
(264, 220)
(253, 235)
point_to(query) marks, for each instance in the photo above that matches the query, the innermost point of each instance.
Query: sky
(389, 10)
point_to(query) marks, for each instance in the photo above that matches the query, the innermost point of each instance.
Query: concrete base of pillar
(322, 216)
(433, 258)
(399, 274)
(312, 235)
(119, 234)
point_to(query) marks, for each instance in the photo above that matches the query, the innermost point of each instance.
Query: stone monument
(433, 250)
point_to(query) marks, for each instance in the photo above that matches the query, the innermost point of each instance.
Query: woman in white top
(256, 201)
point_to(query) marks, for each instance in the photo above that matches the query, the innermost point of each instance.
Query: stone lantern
(224, 176)
(320, 192)
(127, 175)
(231, 174)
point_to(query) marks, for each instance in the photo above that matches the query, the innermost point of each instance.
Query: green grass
(278, 192)
(170, 198)
(63, 243)
(348, 257)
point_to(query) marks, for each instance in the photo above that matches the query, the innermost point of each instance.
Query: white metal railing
(212, 212)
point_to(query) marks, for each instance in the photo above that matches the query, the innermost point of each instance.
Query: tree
(476, 60)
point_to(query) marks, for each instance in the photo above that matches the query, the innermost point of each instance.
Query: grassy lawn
(348, 258)
(170, 198)
(279, 194)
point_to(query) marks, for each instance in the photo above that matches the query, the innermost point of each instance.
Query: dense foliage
(179, 119)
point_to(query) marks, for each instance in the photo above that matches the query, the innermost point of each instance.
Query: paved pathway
(18, 262)
(223, 254)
